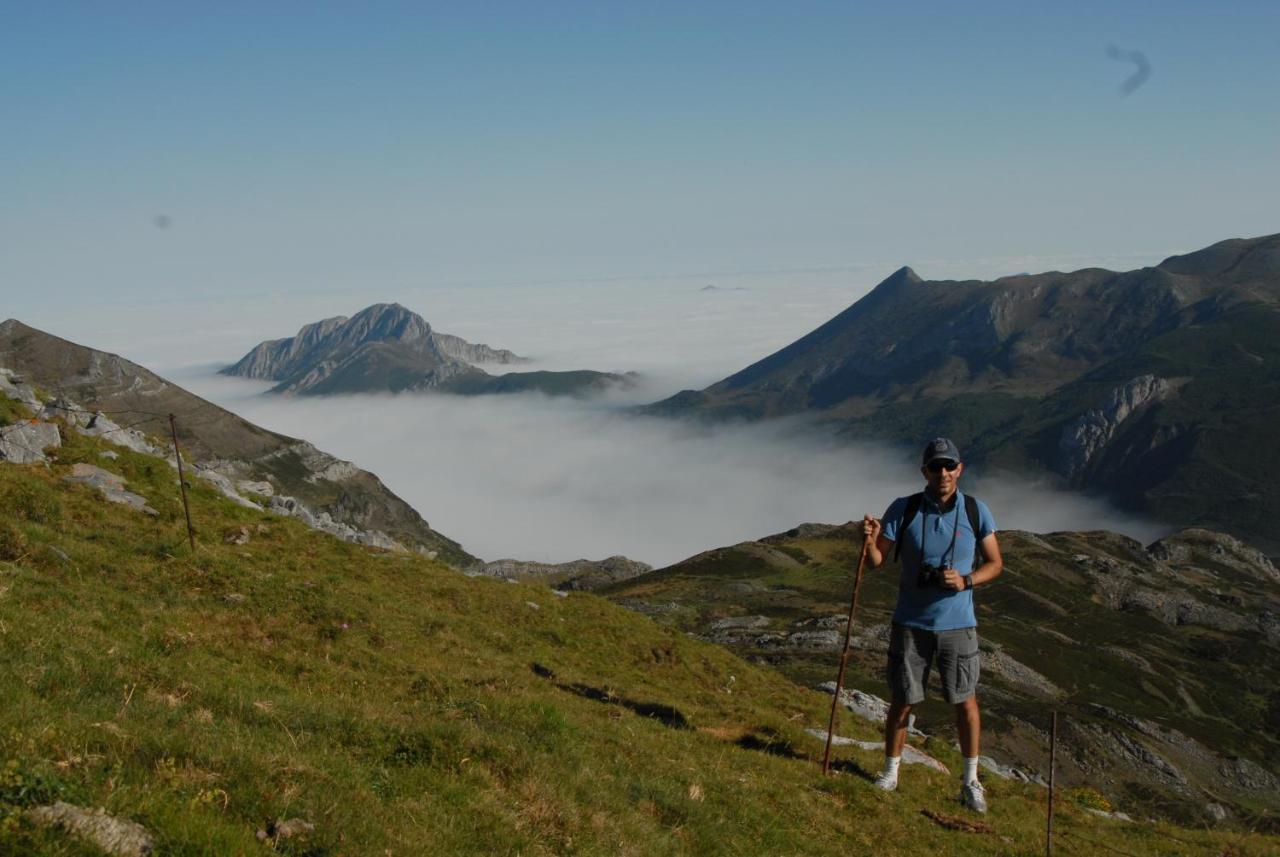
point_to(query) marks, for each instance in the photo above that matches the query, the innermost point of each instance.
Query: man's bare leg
(895, 737)
(895, 728)
(968, 726)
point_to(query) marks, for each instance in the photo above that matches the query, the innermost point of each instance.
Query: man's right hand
(871, 529)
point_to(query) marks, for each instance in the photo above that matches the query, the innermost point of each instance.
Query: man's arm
(990, 569)
(878, 545)
(985, 573)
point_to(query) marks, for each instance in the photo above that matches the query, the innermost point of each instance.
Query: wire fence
(56, 407)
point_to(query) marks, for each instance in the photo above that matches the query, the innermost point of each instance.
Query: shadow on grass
(768, 741)
(664, 714)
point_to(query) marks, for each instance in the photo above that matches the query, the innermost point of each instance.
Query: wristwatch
(968, 581)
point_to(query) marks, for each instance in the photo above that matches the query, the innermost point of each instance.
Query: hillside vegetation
(1161, 660)
(403, 708)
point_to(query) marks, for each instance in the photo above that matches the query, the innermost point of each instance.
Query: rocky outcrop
(110, 485)
(576, 575)
(868, 706)
(27, 442)
(325, 522)
(115, 836)
(1199, 547)
(1084, 439)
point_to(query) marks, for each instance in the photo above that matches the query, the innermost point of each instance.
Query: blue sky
(300, 147)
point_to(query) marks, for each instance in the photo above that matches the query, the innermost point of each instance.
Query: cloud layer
(556, 479)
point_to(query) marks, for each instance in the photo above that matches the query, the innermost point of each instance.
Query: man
(936, 534)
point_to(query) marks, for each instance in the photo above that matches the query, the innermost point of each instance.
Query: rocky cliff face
(1088, 435)
(100, 393)
(1156, 387)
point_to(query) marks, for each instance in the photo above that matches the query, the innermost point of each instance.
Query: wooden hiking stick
(844, 655)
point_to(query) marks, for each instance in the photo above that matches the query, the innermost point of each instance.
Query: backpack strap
(971, 512)
(908, 515)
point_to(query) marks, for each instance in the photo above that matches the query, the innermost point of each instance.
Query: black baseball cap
(940, 447)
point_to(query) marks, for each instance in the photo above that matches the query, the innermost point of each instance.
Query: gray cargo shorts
(912, 652)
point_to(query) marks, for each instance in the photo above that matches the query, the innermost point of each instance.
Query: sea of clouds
(555, 479)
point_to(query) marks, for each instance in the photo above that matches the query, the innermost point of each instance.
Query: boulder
(110, 485)
(115, 836)
(25, 443)
(866, 705)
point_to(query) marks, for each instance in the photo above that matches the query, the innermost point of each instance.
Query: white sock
(970, 770)
(891, 767)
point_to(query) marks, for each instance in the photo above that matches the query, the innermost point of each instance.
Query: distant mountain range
(1159, 388)
(387, 348)
(298, 479)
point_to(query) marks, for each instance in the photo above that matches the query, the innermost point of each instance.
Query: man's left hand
(952, 579)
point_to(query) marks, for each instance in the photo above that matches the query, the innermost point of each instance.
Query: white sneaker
(973, 796)
(886, 782)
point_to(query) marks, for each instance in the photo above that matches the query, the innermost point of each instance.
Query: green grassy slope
(1065, 607)
(391, 702)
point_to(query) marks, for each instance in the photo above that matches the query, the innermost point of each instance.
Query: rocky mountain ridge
(1156, 387)
(387, 348)
(103, 394)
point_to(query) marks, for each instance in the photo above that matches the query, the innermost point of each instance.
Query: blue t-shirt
(933, 608)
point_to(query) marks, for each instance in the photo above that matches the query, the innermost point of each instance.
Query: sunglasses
(940, 465)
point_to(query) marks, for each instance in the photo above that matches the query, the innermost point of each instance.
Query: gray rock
(910, 755)
(110, 485)
(224, 485)
(109, 455)
(291, 829)
(868, 706)
(238, 536)
(740, 623)
(1017, 673)
(1141, 756)
(324, 521)
(576, 575)
(96, 424)
(1008, 772)
(815, 641)
(261, 488)
(1216, 812)
(115, 836)
(14, 386)
(25, 443)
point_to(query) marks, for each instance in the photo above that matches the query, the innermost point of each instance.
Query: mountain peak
(323, 345)
(904, 276)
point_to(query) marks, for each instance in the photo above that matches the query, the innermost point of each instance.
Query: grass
(1043, 614)
(394, 703)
